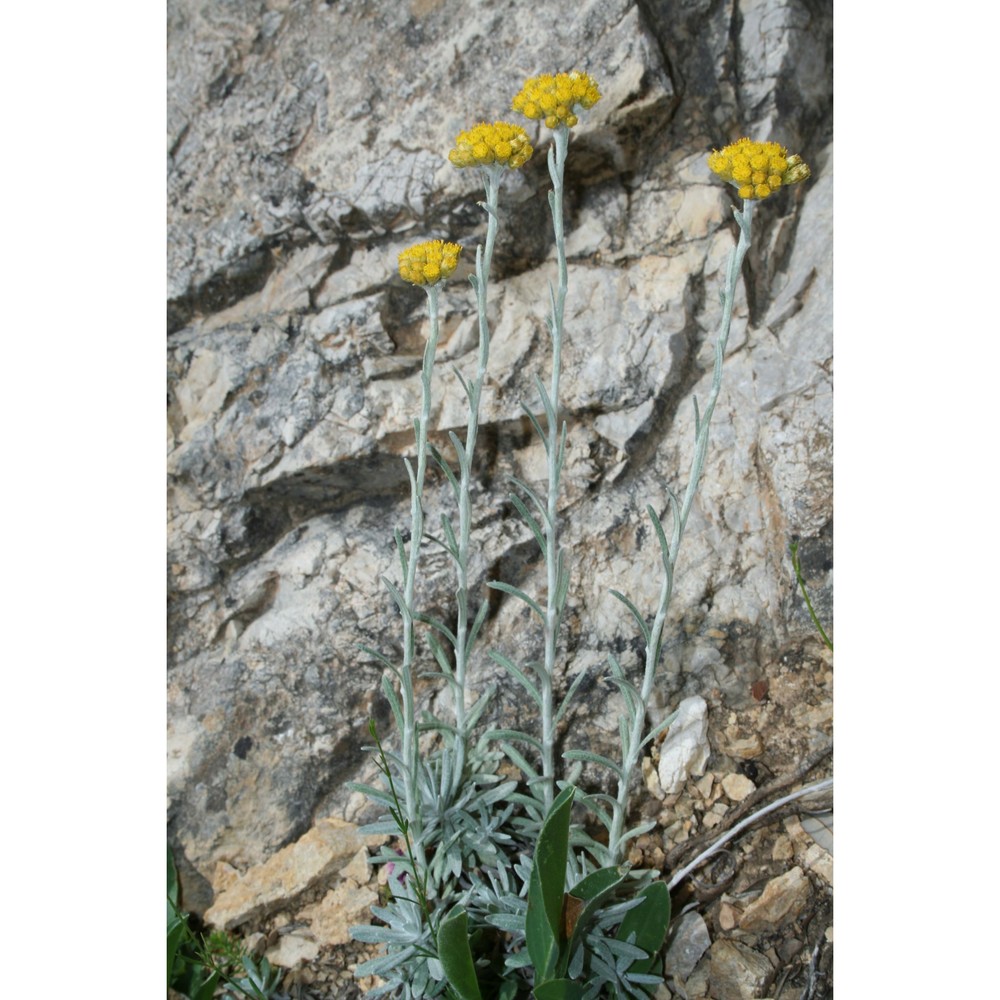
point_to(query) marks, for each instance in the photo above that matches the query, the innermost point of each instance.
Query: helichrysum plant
(495, 892)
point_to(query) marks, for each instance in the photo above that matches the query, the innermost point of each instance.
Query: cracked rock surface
(307, 146)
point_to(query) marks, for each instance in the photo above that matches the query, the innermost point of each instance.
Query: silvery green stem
(554, 448)
(484, 257)
(410, 736)
(632, 749)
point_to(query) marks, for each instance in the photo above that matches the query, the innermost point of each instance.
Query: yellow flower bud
(554, 98)
(427, 263)
(500, 142)
(758, 169)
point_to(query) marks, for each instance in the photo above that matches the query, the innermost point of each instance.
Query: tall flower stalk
(757, 169)
(425, 264)
(556, 572)
(493, 149)
(553, 99)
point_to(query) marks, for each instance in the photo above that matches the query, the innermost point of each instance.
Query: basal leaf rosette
(554, 98)
(482, 145)
(758, 169)
(428, 263)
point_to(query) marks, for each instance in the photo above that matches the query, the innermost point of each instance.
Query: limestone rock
(339, 909)
(737, 972)
(737, 787)
(292, 949)
(689, 940)
(290, 872)
(685, 750)
(782, 900)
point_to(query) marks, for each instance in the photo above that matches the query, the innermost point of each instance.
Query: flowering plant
(495, 890)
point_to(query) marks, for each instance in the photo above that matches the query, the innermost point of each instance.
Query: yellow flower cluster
(757, 168)
(500, 142)
(554, 97)
(427, 263)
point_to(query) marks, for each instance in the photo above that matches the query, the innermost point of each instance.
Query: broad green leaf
(543, 921)
(590, 893)
(508, 990)
(456, 955)
(649, 922)
(559, 989)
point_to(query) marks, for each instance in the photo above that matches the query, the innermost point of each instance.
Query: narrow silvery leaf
(410, 472)
(640, 621)
(479, 707)
(375, 794)
(463, 460)
(517, 592)
(463, 382)
(445, 468)
(519, 761)
(661, 538)
(626, 740)
(439, 654)
(519, 675)
(537, 426)
(594, 758)
(378, 656)
(665, 724)
(530, 522)
(577, 681)
(390, 693)
(636, 831)
(562, 578)
(438, 626)
(477, 625)
(397, 597)
(401, 549)
(513, 734)
(550, 413)
(561, 452)
(449, 534)
(632, 699)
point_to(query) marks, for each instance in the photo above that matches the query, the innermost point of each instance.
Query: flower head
(427, 263)
(500, 142)
(757, 168)
(553, 98)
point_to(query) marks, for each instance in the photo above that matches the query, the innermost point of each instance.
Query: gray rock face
(308, 145)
